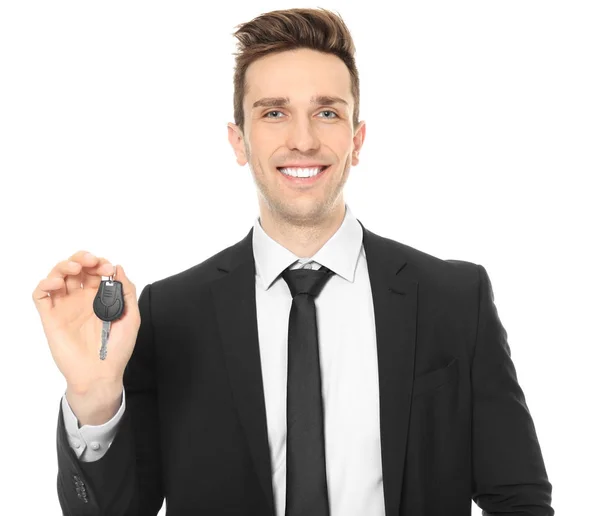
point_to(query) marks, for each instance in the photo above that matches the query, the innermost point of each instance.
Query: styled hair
(290, 29)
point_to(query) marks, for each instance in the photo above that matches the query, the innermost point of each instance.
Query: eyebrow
(324, 100)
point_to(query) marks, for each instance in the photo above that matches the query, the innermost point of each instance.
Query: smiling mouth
(321, 170)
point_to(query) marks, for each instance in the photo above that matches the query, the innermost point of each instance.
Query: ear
(236, 140)
(358, 140)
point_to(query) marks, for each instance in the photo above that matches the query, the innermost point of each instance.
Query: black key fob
(109, 303)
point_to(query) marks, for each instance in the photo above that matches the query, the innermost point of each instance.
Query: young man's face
(299, 132)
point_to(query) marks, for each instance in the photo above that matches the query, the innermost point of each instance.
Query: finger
(92, 276)
(92, 270)
(42, 294)
(129, 291)
(85, 260)
(61, 271)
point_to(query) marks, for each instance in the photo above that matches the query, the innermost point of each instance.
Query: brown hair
(290, 29)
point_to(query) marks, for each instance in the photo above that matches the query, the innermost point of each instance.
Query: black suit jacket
(454, 422)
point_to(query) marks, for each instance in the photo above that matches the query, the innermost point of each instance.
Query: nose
(302, 135)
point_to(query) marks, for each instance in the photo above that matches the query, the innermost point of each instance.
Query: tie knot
(306, 281)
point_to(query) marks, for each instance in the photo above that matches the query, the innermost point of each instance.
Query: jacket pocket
(433, 380)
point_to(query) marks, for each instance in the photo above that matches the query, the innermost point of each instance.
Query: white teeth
(301, 172)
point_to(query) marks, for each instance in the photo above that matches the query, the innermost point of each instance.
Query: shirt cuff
(90, 442)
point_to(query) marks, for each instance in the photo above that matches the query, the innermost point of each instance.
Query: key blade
(105, 335)
(105, 331)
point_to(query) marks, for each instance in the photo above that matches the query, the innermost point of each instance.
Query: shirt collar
(340, 253)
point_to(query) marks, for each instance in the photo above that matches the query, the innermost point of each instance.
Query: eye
(329, 111)
(269, 112)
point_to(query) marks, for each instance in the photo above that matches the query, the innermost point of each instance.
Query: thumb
(129, 293)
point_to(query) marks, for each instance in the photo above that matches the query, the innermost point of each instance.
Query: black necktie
(306, 481)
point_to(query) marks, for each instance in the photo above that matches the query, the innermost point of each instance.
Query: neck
(302, 236)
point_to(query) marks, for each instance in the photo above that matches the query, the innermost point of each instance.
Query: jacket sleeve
(126, 480)
(509, 476)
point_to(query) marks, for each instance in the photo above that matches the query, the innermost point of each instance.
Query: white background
(482, 144)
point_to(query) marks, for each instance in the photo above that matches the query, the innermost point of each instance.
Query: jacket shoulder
(429, 269)
(197, 277)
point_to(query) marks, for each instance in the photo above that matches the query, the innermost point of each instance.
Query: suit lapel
(235, 305)
(394, 292)
(394, 288)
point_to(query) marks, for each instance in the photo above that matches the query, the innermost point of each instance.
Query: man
(314, 367)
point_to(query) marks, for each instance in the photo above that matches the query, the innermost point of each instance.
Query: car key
(108, 306)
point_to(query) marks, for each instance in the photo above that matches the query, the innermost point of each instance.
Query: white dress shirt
(349, 373)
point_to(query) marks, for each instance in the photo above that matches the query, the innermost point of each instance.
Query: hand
(64, 301)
